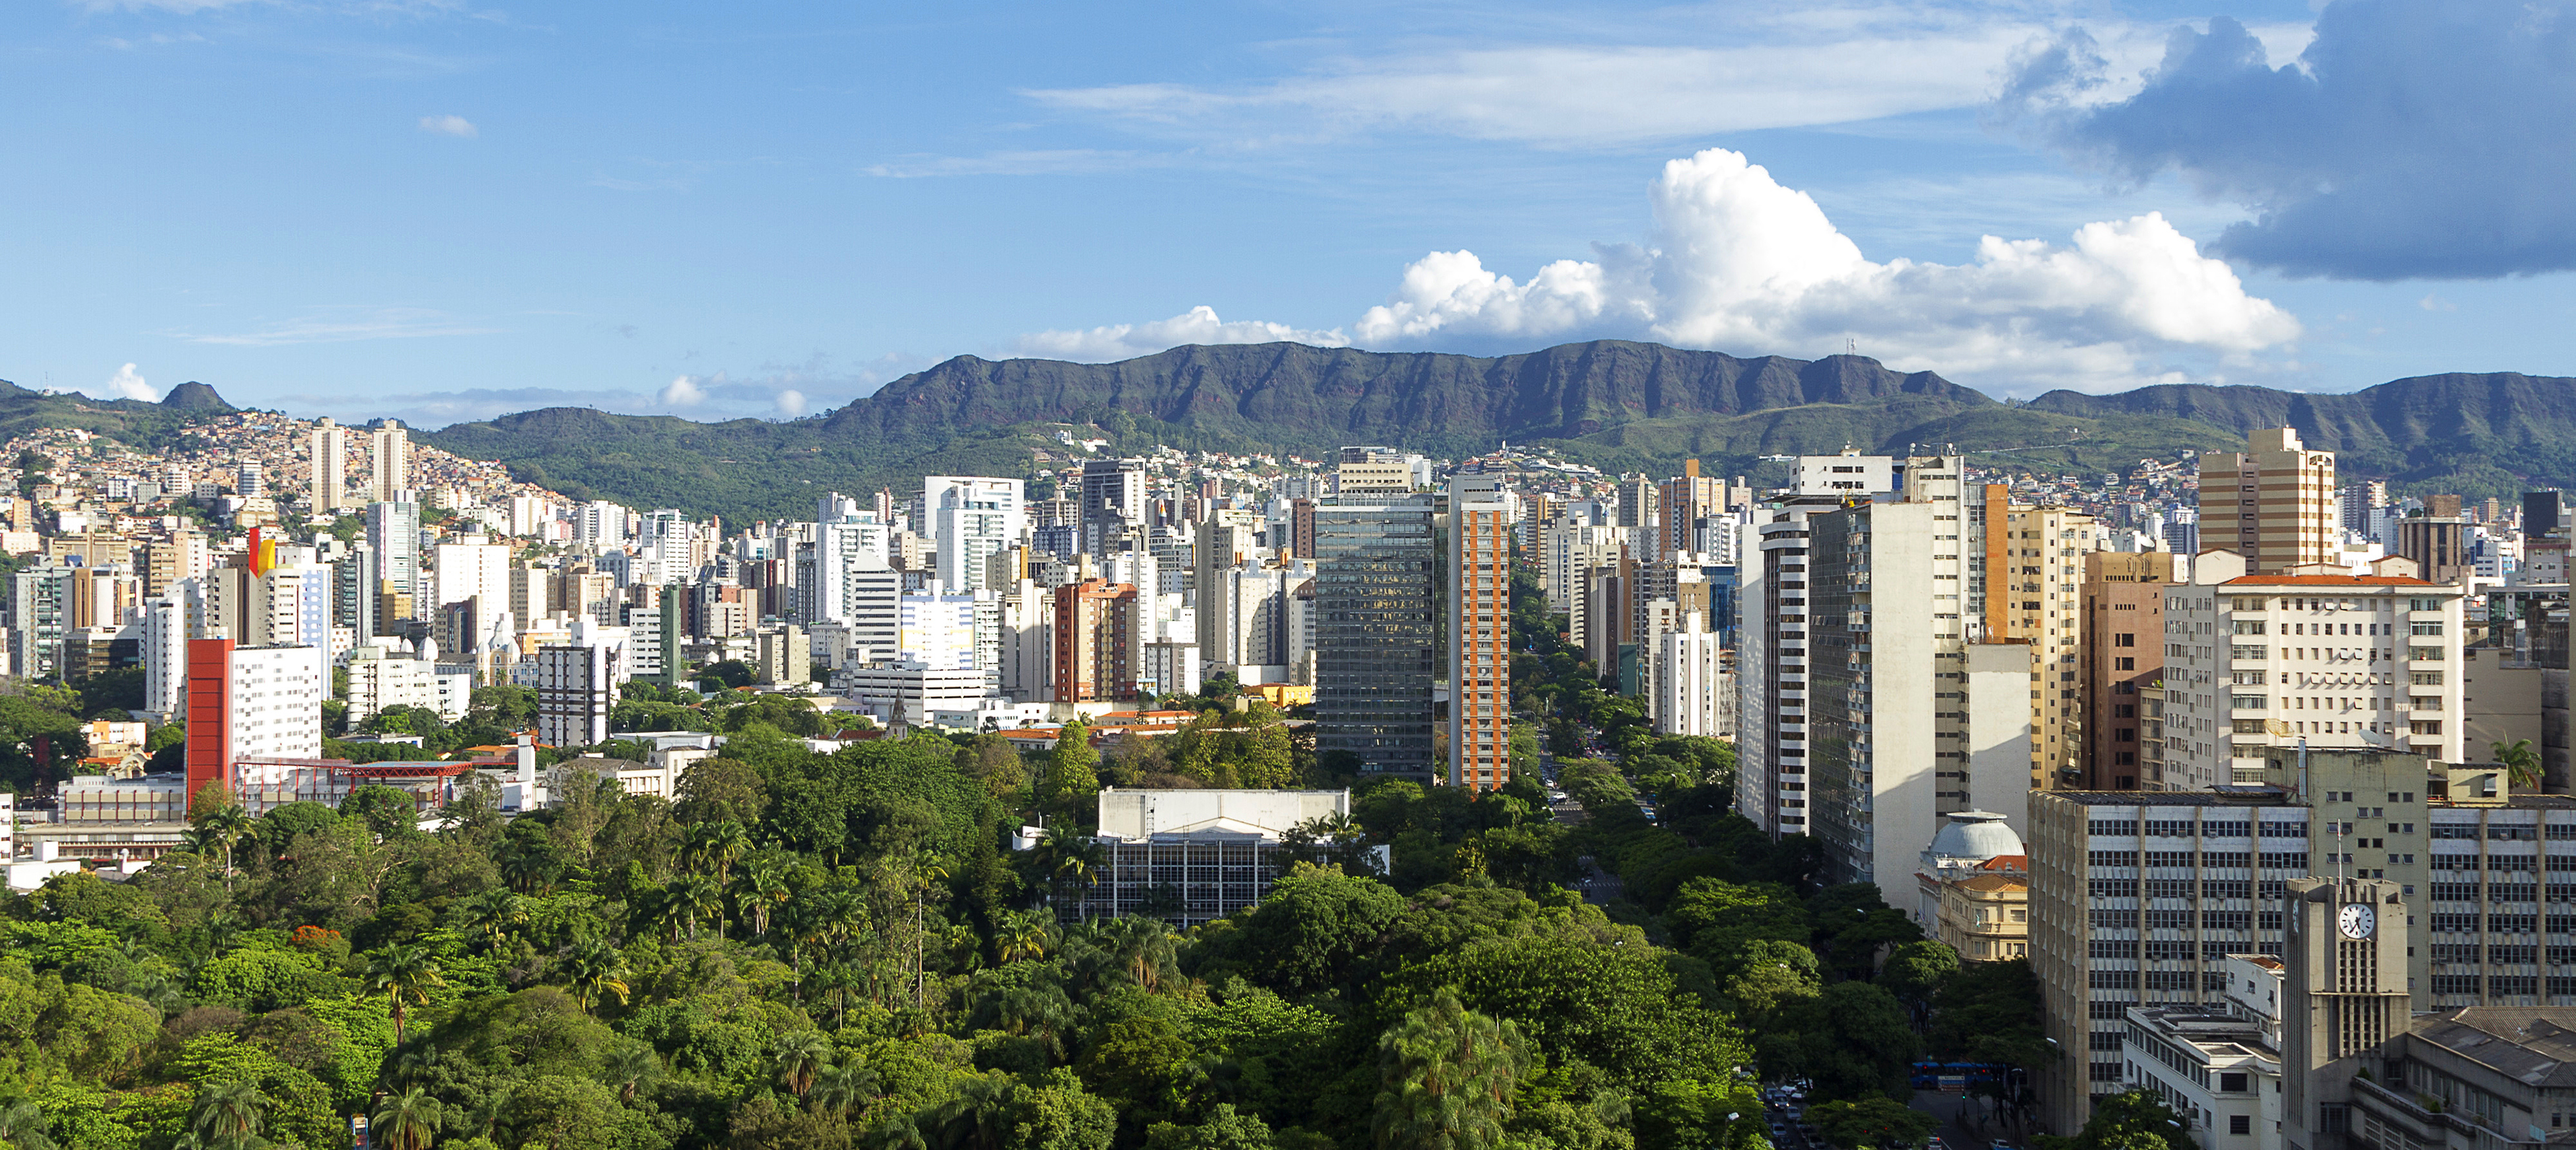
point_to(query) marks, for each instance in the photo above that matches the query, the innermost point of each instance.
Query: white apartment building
(939, 629)
(1572, 550)
(1694, 690)
(379, 679)
(466, 570)
(972, 518)
(2217, 1065)
(844, 575)
(275, 698)
(2314, 656)
(165, 652)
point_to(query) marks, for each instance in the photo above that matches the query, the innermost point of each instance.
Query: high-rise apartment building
(1901, 732)
(1377, 648)
(1685, 505)
(2275, 503)
(39, 620)
(1113, 496)
(1095, 653)
(576, 689)
(2439, 545)
(389, 452)
(1480, 634)
(185, 554)
(972, 519)
(847, 560)
(1694, 689)
(2359, 500)
(1637, 505)
(354, 588)
(251, 703)
(2333, 660)
(2124, 632)
(2034, 575)
(393, 530)
(328, 446)
(1574, 551)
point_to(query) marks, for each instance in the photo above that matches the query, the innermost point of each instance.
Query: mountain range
(1620, 405)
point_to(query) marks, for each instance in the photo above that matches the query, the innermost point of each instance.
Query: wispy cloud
(1028, 163)
(1197, 325)
(448, 126)
(346, 325)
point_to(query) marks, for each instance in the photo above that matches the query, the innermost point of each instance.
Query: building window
(2240, 1124)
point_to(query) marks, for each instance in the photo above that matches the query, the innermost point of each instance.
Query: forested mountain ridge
(1618, 404)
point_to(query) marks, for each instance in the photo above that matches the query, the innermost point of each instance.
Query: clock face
(2357, 920)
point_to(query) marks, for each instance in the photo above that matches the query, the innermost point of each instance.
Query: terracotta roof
(2334, 581)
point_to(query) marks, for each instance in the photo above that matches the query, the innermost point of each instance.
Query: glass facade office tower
(1377, 638)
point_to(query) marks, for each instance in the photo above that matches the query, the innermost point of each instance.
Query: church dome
(1976, 835)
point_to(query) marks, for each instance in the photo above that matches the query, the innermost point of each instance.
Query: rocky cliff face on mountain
(1619, 404)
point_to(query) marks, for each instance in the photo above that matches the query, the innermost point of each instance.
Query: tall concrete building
(1377, 646)
(2275, 503)
(328, 447)
(576, 689)
(2332, 660)
(1113, 496)
(2124, 623)
(1095, 654)
(1480, 634)
(2034, 575)
(389, 451)
(2439, 545)
(393, 530)
(1893, 710)
(251, 703)
(1685, 504)
(972, 518)
(1637, 504)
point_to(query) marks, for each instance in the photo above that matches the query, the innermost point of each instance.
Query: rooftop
(2332, 581)
(2532, 1044)
(2239, 798)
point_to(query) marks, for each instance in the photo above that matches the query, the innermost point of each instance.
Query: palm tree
(1141, 950)
(801, 1058)
(23, 1126)
(1446, 1076)
(594, 968)
(715, 846)
(2521, 763)
(761, 887)
(494, 912)
(694, 898)
(628, 1068)
(402, 972)
(228, 1113)
(406, 1121)
(1020, 935)
(221, 830)
(844, 1090)
(927, 871)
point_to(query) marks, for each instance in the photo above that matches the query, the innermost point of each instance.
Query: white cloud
(448, 126)
(1049, 162)
(346, 325)
(791, 402)
(1198, 325)
(685, 391)
(1739, 263)
(129, 384)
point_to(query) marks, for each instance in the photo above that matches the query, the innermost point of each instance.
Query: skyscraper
(329, 447)
(1113, 496)
(972, 519)
(389, 450)
(2034, 575)
(2124, 651)
(393, 530)
(1686, 503)
(2274, 503)
(1095, 654)
(1377, 649)
(1480, 634)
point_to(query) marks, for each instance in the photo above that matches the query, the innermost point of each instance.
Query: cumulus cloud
(791, 402)
(685, 391)
(1740, 263)
(2411, 138)
(128, 384)
(448, 126)
(1197, 325)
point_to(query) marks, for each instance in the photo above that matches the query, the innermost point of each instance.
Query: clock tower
(2343, 996)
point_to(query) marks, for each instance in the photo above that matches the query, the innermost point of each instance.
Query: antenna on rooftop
(1851, 346)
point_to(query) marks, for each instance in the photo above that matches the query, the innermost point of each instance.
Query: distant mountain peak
(195, 396)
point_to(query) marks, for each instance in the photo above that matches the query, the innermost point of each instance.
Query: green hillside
(1620, 405)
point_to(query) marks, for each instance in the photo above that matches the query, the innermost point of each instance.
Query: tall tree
(403, 974)
(1445, 1078)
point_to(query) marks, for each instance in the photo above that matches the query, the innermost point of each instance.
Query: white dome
(1977, 835)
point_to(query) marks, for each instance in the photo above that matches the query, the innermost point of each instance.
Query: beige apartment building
(2274, 503)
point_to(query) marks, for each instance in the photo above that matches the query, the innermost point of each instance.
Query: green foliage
(1870, 1122)
(2131, 1120)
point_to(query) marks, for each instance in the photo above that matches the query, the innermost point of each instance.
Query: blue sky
(448, 211)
